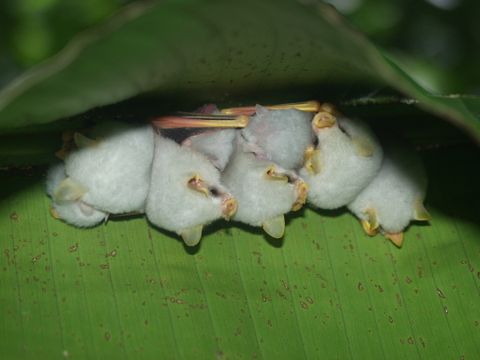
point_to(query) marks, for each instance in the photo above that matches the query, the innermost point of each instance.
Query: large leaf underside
(126, 290)
(211, 51)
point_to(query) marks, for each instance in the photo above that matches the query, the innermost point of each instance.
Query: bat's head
(67, 200)
(210, 196)
(265, 192)
(185, 192)
(324, 120)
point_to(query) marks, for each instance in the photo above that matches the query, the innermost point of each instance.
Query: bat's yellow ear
(275, 227)
(192, 236)
(54, 213)
(68, 191)
(420, 213)
(396, 238)
(311, 160)
(272, 174)
(363, 146)
(196, 183)
(371, 225)
(81, 141)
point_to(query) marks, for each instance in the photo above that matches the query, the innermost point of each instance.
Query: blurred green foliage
(437, 41)
(33, 30)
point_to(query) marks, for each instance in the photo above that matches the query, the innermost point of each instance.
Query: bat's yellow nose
(323, 119)
(301, 190)
(229, 208)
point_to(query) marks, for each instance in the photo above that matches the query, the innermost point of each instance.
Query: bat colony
(249, 164)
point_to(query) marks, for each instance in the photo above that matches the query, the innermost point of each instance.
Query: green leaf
(126, 290)
(211, 51)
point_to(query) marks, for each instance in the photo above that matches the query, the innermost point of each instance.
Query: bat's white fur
(259, 199)
(216, 145)
(75, 212)
(55, 175)
(116, 170)
(394, 192)
(344, 172)
(171, 204)
(279, 135)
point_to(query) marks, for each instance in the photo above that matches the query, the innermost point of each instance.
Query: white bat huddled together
(249, 164)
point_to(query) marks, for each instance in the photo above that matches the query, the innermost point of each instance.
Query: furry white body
(259, 198)
(396, 192)
(345, 162)
(116, 168)
(76, 212)
(171, 204)
(216, 145)
(279, 135)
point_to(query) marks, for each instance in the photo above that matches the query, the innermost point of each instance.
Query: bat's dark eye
(291, 179)
(213, 191)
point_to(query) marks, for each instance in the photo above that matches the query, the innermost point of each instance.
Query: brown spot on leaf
(440, 293)
(112, 253)
(73, 248)
(422, 342)
(107, 336)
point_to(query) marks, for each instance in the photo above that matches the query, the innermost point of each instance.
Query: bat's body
(109, 173)
(185, 191)
(264, 191)
(395, 196)
(346, 159)
(248, 174)
(279, 135)
(114, 166)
